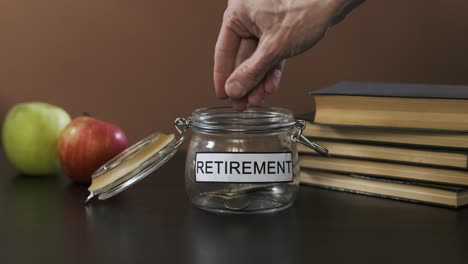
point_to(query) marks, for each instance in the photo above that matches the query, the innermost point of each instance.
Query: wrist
(341, 8)
(343, 3)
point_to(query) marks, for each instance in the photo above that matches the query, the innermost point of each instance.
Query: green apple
(30, 134)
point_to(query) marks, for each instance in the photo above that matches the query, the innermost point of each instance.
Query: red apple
(86, 144)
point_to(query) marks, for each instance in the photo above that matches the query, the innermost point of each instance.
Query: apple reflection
(34, 219)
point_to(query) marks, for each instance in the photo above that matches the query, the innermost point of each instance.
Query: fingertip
(257, 96)
(235, 89)
(272, 81)
(239, 105)
(221, 96)
(219, 83)
(255, 101)
(250, 73)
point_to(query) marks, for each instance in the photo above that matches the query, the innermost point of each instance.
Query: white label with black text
(244, 167)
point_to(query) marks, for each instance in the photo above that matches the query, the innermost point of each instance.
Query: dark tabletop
(43, 220)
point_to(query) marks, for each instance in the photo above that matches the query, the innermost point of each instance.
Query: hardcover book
(396, 154)
(425, 138)
(386, 170)
(397, 105)
(408, 191)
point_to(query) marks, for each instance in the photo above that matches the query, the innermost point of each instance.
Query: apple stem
(87, 114)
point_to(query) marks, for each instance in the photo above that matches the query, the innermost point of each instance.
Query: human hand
(257, 36)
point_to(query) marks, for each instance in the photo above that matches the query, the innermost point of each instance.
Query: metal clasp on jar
(181, 124)
(297, 136)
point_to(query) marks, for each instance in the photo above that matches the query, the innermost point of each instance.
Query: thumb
(252, 71)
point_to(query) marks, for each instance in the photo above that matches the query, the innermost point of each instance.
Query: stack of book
(401, 141)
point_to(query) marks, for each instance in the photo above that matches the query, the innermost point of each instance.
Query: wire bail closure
(299, 137)
(181, 124)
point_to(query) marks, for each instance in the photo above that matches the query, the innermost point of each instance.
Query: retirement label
(244, 167)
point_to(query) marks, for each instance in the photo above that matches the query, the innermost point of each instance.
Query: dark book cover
(405, 90)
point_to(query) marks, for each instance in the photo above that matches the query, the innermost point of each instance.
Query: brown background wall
(141, 63)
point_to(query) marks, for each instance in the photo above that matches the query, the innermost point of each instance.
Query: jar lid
(132, 165)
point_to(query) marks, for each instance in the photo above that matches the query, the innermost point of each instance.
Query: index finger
(225, 55)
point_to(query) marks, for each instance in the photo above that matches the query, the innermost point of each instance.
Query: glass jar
(242, 162)
(237, 162)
